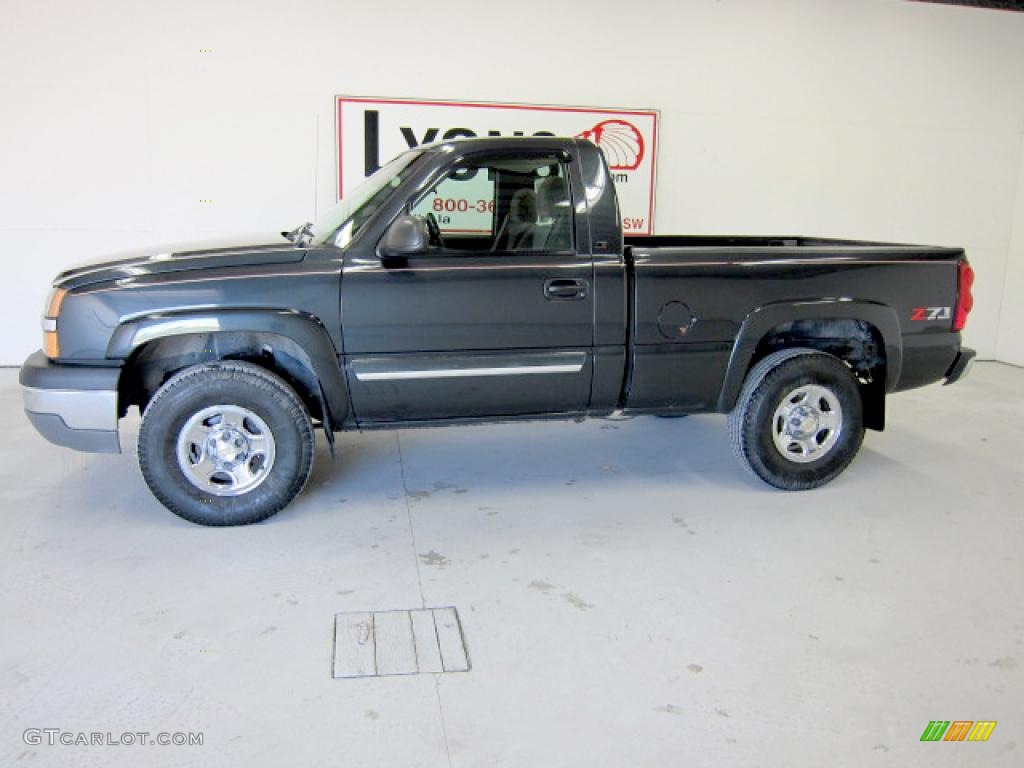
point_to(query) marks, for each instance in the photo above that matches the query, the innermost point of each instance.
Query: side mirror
(407, 236)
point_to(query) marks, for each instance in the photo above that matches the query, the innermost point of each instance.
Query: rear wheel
(227, 443)
(798, 422)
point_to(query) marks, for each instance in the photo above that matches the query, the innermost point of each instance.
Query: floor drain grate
(377, 643)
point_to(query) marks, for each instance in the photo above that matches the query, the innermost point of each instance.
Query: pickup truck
(393, 311)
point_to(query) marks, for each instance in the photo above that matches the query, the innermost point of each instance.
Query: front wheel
(227, 443)
(799, 421)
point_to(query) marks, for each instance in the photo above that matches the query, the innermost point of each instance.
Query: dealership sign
(372, 131)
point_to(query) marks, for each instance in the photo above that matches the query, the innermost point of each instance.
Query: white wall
(873, 119)
(1010, 341)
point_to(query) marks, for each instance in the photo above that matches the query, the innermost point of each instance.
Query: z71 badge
(931, 313)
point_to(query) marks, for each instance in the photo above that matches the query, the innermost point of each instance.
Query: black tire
(752, 423)
(240, 385)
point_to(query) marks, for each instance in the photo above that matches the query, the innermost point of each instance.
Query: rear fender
(762, 320)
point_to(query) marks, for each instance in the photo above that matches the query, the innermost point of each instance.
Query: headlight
(51, 344)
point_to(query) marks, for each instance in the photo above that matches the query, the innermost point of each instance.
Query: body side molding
(459, 366)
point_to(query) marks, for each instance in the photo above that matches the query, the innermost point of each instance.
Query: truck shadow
(577, 461)
(590, 457)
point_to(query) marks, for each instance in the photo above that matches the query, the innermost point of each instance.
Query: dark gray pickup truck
(485, 280)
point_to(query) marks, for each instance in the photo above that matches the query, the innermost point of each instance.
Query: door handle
(561, 288)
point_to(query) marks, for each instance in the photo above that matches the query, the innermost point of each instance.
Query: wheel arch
(294, 345)
(836, 326)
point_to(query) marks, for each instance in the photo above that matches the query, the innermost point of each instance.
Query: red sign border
(654, 113)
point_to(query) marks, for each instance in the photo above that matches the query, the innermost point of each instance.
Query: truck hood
(184, 259)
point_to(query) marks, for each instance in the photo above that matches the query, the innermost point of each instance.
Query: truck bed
(691, 297)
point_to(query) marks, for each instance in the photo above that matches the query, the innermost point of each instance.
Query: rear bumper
(72, 406)
(961, 365)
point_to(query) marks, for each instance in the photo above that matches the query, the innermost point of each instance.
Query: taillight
(964, 297)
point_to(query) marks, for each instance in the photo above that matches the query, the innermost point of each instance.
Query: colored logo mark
(958, 730)
(621, 142)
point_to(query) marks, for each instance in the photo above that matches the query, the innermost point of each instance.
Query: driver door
(496, 319)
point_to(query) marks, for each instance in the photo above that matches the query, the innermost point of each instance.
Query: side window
(508, 203)
(462, 202)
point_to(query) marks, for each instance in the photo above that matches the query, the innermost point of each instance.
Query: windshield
(356, 208)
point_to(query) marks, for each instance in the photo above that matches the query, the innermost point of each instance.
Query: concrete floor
(629, 598)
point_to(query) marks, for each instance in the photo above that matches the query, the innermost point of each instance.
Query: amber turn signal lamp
(51, 347)
(51, 344)
(56, 299)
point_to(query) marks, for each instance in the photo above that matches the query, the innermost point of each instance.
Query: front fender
(762, 320)
(305, 330)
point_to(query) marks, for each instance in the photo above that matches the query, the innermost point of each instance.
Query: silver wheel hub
(225, 450)
(807, 423)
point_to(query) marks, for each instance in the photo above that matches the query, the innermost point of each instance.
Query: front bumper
(961, 365)
(73, 406)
